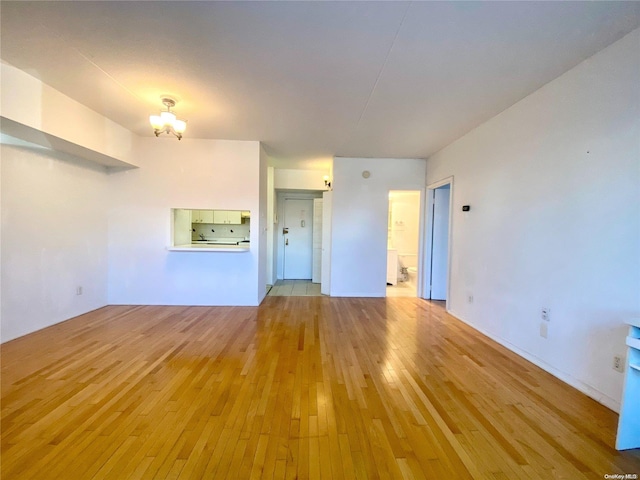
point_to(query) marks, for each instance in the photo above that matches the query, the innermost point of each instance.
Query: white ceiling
(309, 79)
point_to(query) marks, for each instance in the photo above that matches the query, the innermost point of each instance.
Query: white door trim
(327, 208)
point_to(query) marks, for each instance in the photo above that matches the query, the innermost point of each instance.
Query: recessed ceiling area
(311, 80)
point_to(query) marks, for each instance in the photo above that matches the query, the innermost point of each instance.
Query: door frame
(325, 271)
(279, 244)
(426, 270)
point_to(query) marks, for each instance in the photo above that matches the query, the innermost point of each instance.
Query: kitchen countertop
(210, 247)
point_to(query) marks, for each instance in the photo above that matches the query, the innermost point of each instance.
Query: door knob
(286, 242)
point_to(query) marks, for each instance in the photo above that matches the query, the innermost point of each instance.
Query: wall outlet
(544, 329)
(618, 364)
(470, 298)
(545, 314)
(78, 290)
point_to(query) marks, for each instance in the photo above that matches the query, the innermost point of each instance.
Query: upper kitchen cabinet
(202, 216)
(230, 217)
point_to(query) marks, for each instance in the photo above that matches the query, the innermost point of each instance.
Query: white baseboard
(588, 390)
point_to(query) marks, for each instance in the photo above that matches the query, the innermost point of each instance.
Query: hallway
(294, 288)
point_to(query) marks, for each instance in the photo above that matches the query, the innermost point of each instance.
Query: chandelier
(167, 121)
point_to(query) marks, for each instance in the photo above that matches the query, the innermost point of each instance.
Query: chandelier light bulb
(156, 122)
(179, 126)
(168, 118)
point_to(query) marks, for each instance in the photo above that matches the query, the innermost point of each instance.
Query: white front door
(298, 238)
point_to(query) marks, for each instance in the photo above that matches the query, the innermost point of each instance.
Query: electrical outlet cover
(544, 331)
(618, 363)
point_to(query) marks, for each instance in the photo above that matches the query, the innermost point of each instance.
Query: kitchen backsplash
(221, 231)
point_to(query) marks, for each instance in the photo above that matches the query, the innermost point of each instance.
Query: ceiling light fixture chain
(167, 121)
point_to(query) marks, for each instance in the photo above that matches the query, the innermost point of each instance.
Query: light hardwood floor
(300, 387)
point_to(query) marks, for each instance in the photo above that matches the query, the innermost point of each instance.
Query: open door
(438, 240)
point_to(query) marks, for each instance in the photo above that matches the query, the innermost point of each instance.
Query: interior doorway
(438, 240)
(403, 243)
(295, 235)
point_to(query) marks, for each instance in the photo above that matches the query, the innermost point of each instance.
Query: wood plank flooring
(300, 387)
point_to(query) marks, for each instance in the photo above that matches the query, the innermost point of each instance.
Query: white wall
(54, 238)
(554, 188)
(292, 179)
(262, 224)
(360, 220)
(194, 174)
(271, 232)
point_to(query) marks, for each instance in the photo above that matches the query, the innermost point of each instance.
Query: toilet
(413, 274)
(408, 267)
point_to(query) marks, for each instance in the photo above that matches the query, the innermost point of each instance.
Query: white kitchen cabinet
(234, 217)
(206, 216)
(202, 216)
(230, 217)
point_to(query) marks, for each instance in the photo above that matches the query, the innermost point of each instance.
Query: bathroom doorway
(403, 243)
